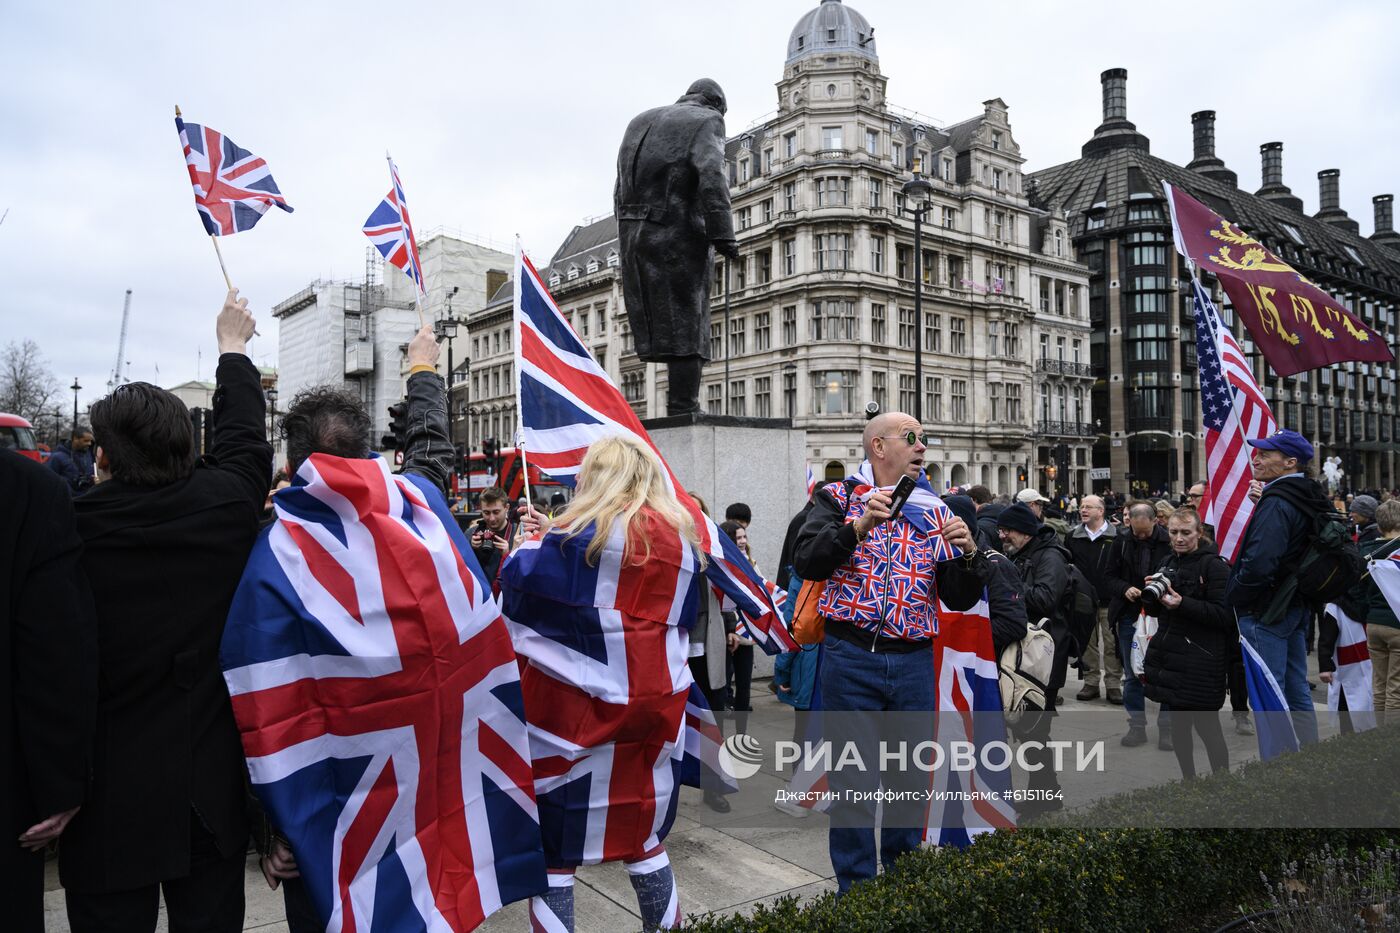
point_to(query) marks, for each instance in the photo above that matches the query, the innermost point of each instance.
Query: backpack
(1081, 608)
(1023, 671)
(1331, 564)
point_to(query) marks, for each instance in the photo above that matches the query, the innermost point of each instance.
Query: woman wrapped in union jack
(599, 601)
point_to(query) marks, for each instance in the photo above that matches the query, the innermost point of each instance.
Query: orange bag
(808, 628)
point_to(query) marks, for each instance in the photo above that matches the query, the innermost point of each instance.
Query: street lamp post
(271, 394)
(76, 388)
(446, 327)
(916, 191)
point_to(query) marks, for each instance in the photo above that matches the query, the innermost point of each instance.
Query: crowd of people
(121, 739)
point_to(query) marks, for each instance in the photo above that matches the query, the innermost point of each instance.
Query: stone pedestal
(724, 459)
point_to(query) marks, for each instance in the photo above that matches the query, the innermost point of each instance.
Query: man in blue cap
(1286, 501)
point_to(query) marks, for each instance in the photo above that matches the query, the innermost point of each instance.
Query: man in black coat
(1091, 542)
(48, 680)
(166, 539)
(672, 204)
(1135, 556)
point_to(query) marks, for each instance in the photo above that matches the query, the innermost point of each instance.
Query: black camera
(1155, 587)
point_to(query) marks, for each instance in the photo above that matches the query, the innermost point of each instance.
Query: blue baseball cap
(1289, 443)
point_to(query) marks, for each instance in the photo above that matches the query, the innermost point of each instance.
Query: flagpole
(418, 285)
(515, 327)
(222, 268)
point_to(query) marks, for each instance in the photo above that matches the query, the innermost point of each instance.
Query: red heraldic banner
(1296, 325)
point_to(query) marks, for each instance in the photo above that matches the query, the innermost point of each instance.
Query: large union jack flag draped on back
(567, 402)
(391, 231)
(1233, 411)
(606, 685)
(969, 710)
(232, 187)
(379, 702)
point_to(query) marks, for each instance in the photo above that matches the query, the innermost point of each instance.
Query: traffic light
(397, 438)
(1021, 476)
(490, 447)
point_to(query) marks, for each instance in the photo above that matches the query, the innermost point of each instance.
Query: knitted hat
(1365, 506)
(1018, 517)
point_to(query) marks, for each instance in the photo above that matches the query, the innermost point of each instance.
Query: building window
(741, 273)
(764, 258)
(997, 179)
(947, 169)
(790, 196)
(955, 272)
(762, 330)
(573, 272)
(789, 145)
(929, 268)
(904, 262)
(768, 161)
(1059, 242)
(877, 254)
(872, 142)
(933, 332)
(763, 397)
(789, 257)
(935, 397)
(743, 218)
(738, 336)
(1013, 402)
(736, 397)
(957, 336)
(950, 218)
(834, 392)
(832, 138)
(906, 392)
(790, 395)
(714, 402)
(1144, 213)
(996, 139)
(613, 260)
(1012, 343)
(834, 320)
(633, 386)
(999, 225)
(877, 191)
(743, 170)
(767, 208)
(877, 324)
(897, 154)
(994, 402)
(833, 251)
(833, 191)
(879, 391)
(906, 328)
(789, 325)
(958, 396)
(993, 337)
(581, 316)
(716, 341)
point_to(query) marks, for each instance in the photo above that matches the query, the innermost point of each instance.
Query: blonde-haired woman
(598, 602)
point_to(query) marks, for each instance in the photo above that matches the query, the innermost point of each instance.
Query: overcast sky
(504, 118)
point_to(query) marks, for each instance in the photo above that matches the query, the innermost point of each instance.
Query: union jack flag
(811, 480)
(567, 402)
(391, 231)
(969, 710)
(1352, 660)
(606, 685)
(1233, 411)
(1386, 573)
(379, 702)
(232, 187)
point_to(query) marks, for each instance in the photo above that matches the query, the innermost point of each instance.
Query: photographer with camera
(1188, 660)
(492, 534)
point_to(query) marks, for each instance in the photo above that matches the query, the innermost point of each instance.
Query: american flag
(379, 701)
(232, 187)
(969, 710)
(567, 402)
(606, 686)
(391, 231)
(1233, 411)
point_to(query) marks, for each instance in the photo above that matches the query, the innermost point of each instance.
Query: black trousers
(301, 913)
(1207, 726)
(207, 900)
(739, 671)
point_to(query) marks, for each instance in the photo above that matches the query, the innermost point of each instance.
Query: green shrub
(1056, 877)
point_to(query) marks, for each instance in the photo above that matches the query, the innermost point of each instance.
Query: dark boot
(683, 386)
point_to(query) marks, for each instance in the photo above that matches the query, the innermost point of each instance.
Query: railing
(1063, 367)
(1064, 429)
(825, 155)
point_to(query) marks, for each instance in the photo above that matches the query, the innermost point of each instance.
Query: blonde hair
(619, 475)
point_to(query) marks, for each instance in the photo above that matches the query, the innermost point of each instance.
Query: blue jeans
(1134, 700)
(854, 679)
(1284, 649)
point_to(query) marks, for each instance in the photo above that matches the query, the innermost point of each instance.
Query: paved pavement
(729, 863)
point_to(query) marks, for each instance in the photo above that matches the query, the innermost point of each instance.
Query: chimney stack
(1204, 161)
(1271, 157)
(1330, 201)
(1115, 132)
(1385, 234)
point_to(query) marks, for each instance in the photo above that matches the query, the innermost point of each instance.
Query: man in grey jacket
(1091, 543)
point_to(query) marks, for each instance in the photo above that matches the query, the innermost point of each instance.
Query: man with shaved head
(1135, 556)
(1091, 542)
(883, 584)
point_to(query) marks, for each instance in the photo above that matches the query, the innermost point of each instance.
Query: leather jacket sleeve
(826, 540)
(1044, 580)
(428, 451)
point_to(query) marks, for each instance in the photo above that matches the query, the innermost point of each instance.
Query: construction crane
(116, 379)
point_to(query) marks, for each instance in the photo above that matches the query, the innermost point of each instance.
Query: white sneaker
(790, 808)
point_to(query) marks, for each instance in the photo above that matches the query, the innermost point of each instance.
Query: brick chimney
(1115, 132)
(1204, 160)
(1330, 201)
(1271, 158)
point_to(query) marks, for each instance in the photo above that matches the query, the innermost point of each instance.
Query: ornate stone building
(1143, 347)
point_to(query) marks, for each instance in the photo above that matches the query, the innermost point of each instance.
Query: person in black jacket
(165, 541)
(72, 460)
(1091, 543)
(1274, 542)
(1188, 660)
(48, 680)
(1135, 555)
(1006, 603)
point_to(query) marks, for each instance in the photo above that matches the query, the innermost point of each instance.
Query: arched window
(1059, 242)
(1003, 480)
(935, 476)
(958, 475)
(835, 471)
(986, 476)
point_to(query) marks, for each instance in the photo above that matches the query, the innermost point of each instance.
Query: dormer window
(592, 266)
(554, 279)
(612, 259)
(996, 140)
(573, 272)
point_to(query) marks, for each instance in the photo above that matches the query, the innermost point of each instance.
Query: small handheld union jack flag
(391, 231)
(232, 187)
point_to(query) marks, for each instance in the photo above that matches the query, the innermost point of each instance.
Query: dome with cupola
(831, 28)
